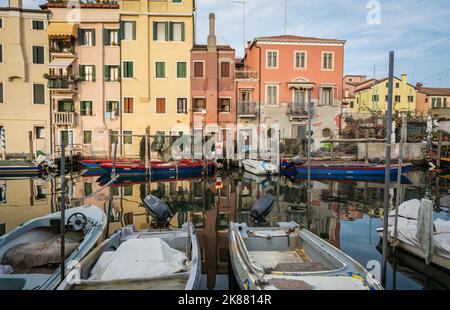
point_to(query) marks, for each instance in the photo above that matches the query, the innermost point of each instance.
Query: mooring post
(63, 208)
(110, 143)
(3, 141)
(388, 169)
(30, 145)
(148, 167)
(310, 115)
(439, 151)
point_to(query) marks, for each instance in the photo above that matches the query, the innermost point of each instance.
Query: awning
(62, 30)
(61, 63)
(300, 85)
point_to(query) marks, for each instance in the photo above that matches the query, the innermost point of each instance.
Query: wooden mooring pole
(63, 208)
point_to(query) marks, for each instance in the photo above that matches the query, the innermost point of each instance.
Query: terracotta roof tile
(221, 48)
(431, 91)
(294, 38)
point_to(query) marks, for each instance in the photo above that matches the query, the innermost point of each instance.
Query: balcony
(246, 75)
(440, 112)
(61, 83)
(64, 118)
(247, 109)
(297, 111)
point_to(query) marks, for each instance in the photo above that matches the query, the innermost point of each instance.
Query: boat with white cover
(260, 167)
(141, 260)
(30, 255)
(288, 257)
(408, 240)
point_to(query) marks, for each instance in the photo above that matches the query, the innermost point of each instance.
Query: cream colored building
(157, 37)
(24, 98)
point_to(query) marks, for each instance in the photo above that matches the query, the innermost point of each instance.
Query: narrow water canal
(346, 214)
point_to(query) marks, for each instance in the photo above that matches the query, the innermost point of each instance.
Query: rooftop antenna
(243, 2)
(285, 15)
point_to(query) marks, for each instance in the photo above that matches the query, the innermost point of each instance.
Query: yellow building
(24, 98)
(374, 96)
(157, 37)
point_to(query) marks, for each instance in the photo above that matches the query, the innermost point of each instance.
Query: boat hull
(160, 172)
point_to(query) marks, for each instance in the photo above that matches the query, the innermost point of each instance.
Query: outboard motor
(160, 212)
(262, 208)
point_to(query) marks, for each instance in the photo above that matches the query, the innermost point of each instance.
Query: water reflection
(346, 214)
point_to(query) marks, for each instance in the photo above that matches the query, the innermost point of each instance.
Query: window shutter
(106, 37)
(34, 55)
(80, 37)
(170, 31)
(121, 31)
(81, 72)
(155, 31)
(167, 31)
(183, 36)
(119, 72)
(134, 30)
(93, 73)
(107, 73)
(93, 37)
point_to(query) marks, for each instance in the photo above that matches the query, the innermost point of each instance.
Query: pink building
(84, 75)
(213, 88)
(278, 77)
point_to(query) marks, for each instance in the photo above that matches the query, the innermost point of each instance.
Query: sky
(418, 31)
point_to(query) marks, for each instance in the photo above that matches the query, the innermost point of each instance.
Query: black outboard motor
(160, 212)
(262, 208)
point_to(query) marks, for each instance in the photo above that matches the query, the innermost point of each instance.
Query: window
(326, 133)
(225, 105)
(111, 37)
(40, 132)
(327, 61)
(128, 105)
(128, 69)
(1, 93)
(176, 31)
(160, 105)
(272, 59)
(38, 93)
(128, 30)
(87, 73)
(198, 69)
(326, 98)
(160, 70)
(1, 53)
(181, 70)
(410, 99)
(1, 23)
(38, 54)
(177, 1)
(439, 102)
(66, 106)
(386, 98)
(375, 98)
(86, 37)
(387, 85)
(160, 31)
(300, 61)
(182, 105)
(225, 69)
(87, 188)
(114, 137)
(37, 25)
(445, 103)
(86, 108)
(397, 85)
(128, 190)
(112, 110)
(127, 137)
(272, 95)
(87, 137)
(397, 98)
(112, 73)
(199, 104)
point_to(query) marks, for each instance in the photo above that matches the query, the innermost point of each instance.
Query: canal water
(344, 213)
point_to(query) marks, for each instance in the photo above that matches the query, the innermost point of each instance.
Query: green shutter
(80, 37)
(130, 69)
(119, 72)
(155, 31)
(107, 73)
(167, 30)
(81, 72)
(106, 37)
(93, 73)
(121, 31)
(183, 37)
(134, 30)
(93, 37)
(170, 31)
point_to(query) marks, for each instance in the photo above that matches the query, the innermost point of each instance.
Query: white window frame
(92, 131)
(68, 130)
(198, 97)
(123, 70)
(220, 68)
(88, 43)
(117, 77)
(165, 71)
(37, 20)
(321, 103)
(32, 94)
(266, 102)
(187, 105)
(165, 34)
(93, 68)
(295, 60)
(231, 104)
(193, 70)
(332, 63)
(156, 105)
(32, 55)
(110, 31)
(176, 70)
(35, 132)
(132, 23)
(267, 59)
(172, 34)
(123, 105)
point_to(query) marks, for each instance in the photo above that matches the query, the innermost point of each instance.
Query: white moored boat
(259, 167)
(287, 257)
(30, 255)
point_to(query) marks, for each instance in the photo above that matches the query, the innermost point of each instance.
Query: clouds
(419, 31)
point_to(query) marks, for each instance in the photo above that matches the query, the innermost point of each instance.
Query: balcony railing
(61, 50)
(246, 75)
(64, 118)
(296, 109)
(61, 83)
(247, 109)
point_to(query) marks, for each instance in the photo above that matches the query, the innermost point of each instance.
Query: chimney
(15, 4)
(404, 78)
(212, 40)
(419, 85)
